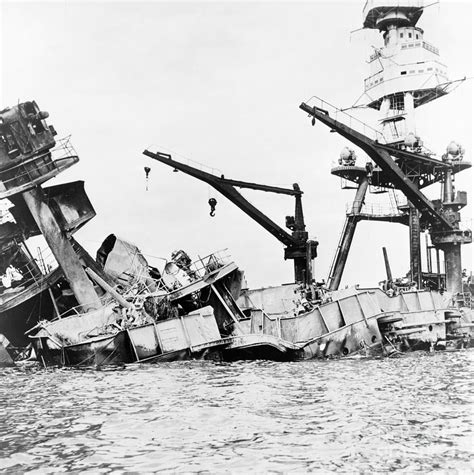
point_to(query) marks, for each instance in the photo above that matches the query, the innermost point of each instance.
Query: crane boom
(298, 247)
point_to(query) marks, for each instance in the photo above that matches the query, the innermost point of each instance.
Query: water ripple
(355, 415)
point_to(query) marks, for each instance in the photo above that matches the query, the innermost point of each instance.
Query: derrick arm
(379, 154)
(226, 187)
(298, 247)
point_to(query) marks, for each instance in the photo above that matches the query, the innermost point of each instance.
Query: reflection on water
(406, 414)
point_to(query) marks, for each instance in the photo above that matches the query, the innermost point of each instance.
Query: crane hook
(212, 203)
(147, 173)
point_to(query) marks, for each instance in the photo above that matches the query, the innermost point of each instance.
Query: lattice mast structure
(405, 73)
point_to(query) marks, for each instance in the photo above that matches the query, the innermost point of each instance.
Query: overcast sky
(220, 83)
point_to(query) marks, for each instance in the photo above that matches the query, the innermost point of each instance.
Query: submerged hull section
(17, 319)
(261, 347)
(358, 321)
(354, 323)
(106, 350)
(69, 342)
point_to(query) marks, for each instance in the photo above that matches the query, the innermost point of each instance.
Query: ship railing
(430, 47)
(372, 4)
(463, 299)
(63, 149)
(203, 265)
(373, 209)
(426, 148)
(104, 300)
(20, 173)
(196, 270)
(357, 163)
(342, 116)
(374, 56)
(186, 160)
(31, 273)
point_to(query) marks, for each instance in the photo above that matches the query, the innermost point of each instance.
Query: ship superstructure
(29, 156)
(405, 73)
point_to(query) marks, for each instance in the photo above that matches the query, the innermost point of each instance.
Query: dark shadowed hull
(106, 350)
(142, 344)
(261, 347)
(17, 319)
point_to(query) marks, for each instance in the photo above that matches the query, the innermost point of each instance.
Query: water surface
(406, 414)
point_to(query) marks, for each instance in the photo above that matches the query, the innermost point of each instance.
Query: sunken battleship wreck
(426, 310)
(75, 310)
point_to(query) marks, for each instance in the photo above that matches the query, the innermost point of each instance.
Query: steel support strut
(348, 232)
(62, 249)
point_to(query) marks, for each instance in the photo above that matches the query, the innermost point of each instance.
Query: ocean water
(407, 414)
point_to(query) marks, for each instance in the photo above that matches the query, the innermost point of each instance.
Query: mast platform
(424, 168)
